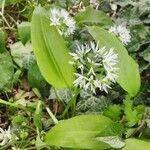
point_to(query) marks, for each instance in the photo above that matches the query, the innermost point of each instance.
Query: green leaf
(129, 77)
(36, 80)
(91, 16)
(2, 41)
(131, 115)
(22, 54)
(113, 141)
(79, 132)
(9, 2)
(63, 94)
(89, 103)
(132, 144)
(24, 31)
(50, 51)
(37, 116)
(6, 71)
(113, 112)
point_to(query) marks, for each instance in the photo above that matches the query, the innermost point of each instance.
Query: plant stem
(52, 115)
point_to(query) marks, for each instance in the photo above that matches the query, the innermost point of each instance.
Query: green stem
(52, 115)
(11, 104)
(71, 103)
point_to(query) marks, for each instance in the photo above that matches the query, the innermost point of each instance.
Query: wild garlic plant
(96, 67)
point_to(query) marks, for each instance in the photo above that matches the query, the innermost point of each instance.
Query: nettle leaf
(50, 51)
(79, 132)
(91, 16)
(137, 144)
(6, 71)
(129, 77)
(24, 31)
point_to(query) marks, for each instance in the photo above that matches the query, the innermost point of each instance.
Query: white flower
(122, 33)
(62, 20)
(5, 136)
(96, 67)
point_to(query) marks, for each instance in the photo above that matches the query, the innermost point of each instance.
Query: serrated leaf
(24, 31)
(131, 115)
(50, 51)
(79, 132)
(129, 77)
(91, 16)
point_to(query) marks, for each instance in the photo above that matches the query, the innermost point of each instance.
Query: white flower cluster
(5, 136)
(122, 33)
(63, 21)
(96, 67)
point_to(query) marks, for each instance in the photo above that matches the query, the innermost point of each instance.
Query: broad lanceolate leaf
(79, 132)
(91, 16)
(136, 144)
(6, 71)
(50, 51)
(129, 77)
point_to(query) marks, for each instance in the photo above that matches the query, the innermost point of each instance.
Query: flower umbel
(5, 136)
(122, 33)
(96, 67)
(62, 20)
